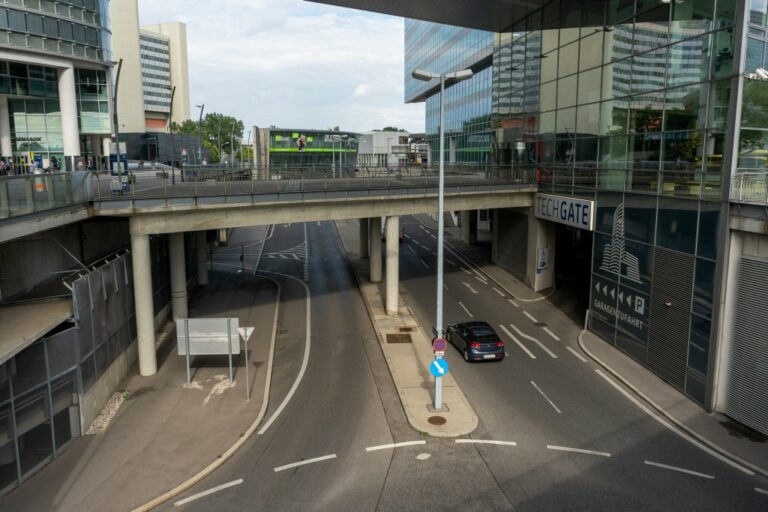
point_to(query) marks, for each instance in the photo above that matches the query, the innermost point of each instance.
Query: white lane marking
(664, 422)
(679, 470)
(486, 441)
(423, 262)
(498, 291)
(393, 445)
(209, 491)
(423, 456)
(519, 343)
(465, 309)
(433, 236)
(445, 286)
(470, 287)
(546, 397)
(761, 491)
(577, 450)
(513, 303)
(531, 317)
(305, 462)
(319, 223)
(581, 357)
(433, 253)
(484, 282)
(554, 336)
(451, 262)
(531, 338)
(466, 271)
(411, 249)
(304, 362)
(506, 354)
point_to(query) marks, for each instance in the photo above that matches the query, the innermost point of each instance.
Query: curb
(677, 423)
(216, 464)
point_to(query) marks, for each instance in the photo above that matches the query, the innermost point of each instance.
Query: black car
(477, 341)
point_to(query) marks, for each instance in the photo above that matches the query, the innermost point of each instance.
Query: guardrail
(22, 195)
(750, 188)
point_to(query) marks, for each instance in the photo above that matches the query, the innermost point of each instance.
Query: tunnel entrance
(573, 259)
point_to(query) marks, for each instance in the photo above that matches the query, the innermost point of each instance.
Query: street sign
(439, 367)
(245, 332)
(438, 344)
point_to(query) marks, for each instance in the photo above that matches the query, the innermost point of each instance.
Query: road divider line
(519, 343)
(485, 441)
(581, 357)
(501, 293)
(513, 303)
(577, 450)
(531, 317)
(466, 271)
(433, 236)
(761, 491)
(554, 336)
(546, 397)
(470, 287)
(484, 282)
(531, 338)
(679, 470)
(393, 445)
(411, 249)
(451, 262)
(674, 429)
(208, 492)
(465, 309)
(423, 262)
(304, 462)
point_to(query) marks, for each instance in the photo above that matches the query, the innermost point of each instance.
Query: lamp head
(424, 75)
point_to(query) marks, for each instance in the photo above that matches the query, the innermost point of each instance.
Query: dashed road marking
(679, 470)
(470, 287)
(554, 336)
(581, 357)
(423, 262)
(465, 309)
(433, 236)
(531, 338)
(485, 441)
(304, 462)
(577, 450)
(393, 445)
(501, 293)
(513, 303)
(484, 282)
(546, 397)
(531, 317)
(451, 262)
(411, 249)
(208, 492)
(761, 491)
(466, 271)
(519, 343)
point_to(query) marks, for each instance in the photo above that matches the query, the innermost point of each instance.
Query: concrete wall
(125, 45)
(510, 241)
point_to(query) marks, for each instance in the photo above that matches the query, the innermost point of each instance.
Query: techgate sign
(579, 213)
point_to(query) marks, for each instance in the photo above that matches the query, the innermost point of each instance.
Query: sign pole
(438, 390)
(186, 336)
(247, 378)
(229, 346)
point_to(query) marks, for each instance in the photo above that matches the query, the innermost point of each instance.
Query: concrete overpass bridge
(172, 205)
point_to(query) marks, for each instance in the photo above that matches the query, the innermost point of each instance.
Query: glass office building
(57, 104)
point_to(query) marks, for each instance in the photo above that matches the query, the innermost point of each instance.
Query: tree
(216, 132)
(389, 129)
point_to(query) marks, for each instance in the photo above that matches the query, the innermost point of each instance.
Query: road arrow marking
(531, 338)
(519, 343)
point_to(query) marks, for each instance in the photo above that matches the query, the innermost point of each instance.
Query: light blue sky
(292, 63)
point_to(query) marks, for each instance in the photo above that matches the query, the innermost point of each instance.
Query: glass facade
(312, 148)
(75, 28)
(156, 73)
(753, 144)
(442, 48)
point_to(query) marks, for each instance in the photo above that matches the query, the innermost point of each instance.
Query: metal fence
(750, 188)
(21, 195)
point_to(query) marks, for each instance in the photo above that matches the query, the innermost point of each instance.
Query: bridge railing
(750, 188)
(31, 193)
(208, 181)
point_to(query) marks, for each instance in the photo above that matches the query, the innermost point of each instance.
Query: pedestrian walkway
(165, 432)
(408, 352)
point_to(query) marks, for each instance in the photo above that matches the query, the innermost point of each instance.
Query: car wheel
(466, 355)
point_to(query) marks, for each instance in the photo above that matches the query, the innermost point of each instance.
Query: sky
(293, 64)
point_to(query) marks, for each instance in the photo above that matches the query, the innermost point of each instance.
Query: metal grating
(747, 378)
(398, 338)
(670, 324)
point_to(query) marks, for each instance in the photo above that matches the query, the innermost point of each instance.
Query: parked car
(477, 341)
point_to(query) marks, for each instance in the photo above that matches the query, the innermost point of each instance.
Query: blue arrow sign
(439, 367)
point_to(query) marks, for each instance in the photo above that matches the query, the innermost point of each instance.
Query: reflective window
(677, 224)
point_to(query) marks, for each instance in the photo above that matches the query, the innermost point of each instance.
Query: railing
(22, 195)
(750, 188)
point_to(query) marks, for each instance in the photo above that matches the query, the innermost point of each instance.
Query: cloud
(293, 63)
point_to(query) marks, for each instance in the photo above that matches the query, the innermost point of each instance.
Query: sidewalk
(409, 361)
(165, 431)
(715, 430)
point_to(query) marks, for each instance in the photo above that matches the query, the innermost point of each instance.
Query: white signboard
(572, 211)
(207, 336)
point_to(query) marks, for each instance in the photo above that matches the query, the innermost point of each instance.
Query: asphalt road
(330, 406)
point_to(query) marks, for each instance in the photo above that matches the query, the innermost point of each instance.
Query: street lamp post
(451, 78)
(200, 134)
(116, 123)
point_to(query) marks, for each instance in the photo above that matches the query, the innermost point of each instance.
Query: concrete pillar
(6, 148)
(393, 264)
(178, 276)
(202, 258)
(469, 226)
(375, 256)
(69, 128)
(142, 296)
(541, 253)
(364, 238)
